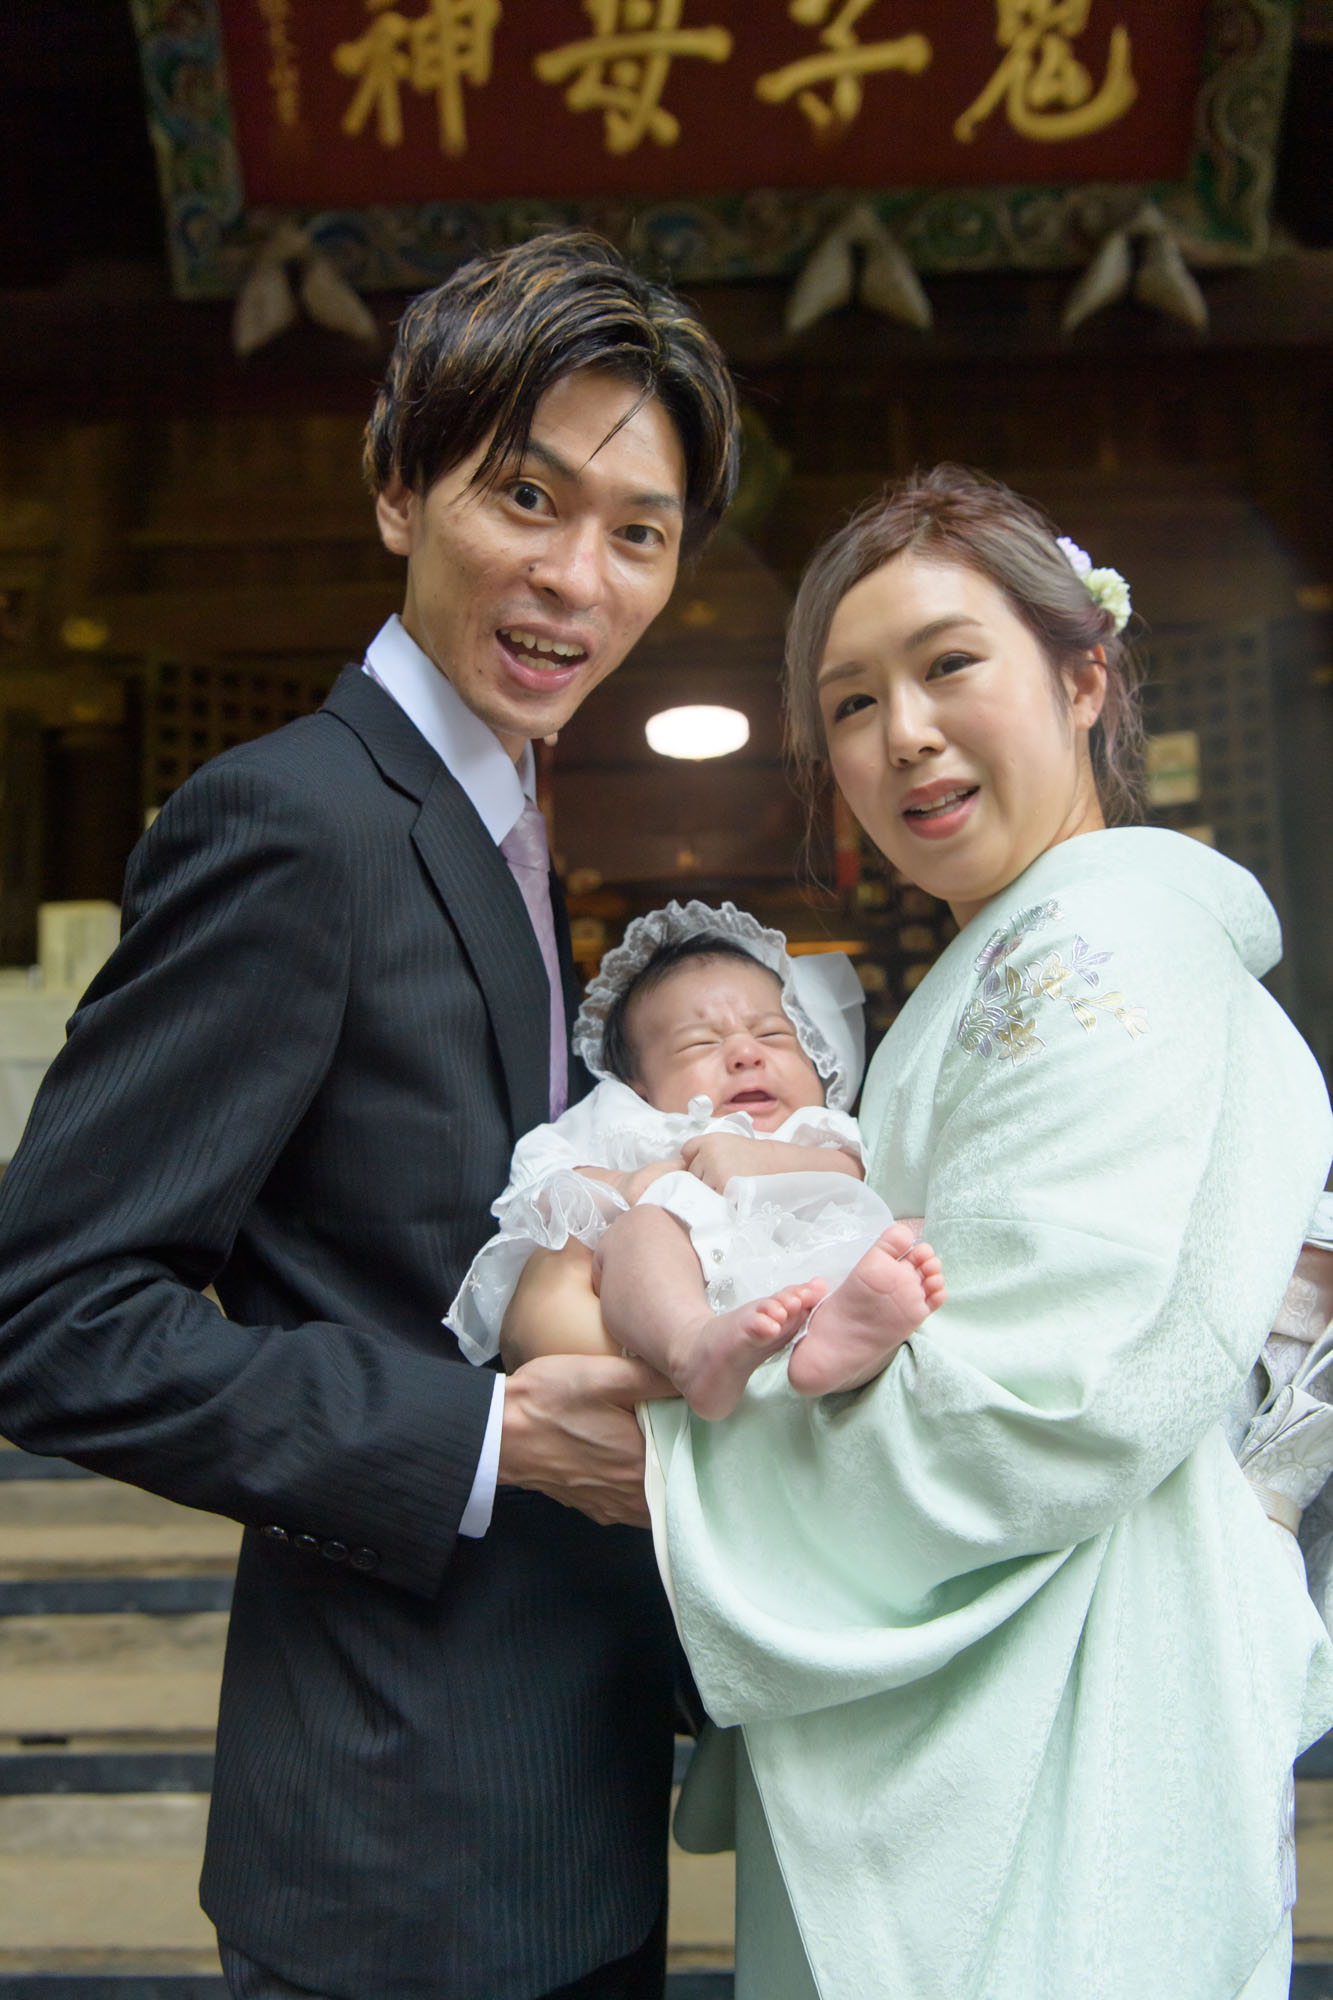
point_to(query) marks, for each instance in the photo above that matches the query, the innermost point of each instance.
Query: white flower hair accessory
(1104, 586)
(821, 994)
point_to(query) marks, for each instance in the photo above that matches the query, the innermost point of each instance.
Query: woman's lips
(936, 814)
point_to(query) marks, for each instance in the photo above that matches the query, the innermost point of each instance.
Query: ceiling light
(697, 732)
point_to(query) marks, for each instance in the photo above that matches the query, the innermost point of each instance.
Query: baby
(712, 1174)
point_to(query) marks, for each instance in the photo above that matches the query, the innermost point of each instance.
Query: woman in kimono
(1015, 1665)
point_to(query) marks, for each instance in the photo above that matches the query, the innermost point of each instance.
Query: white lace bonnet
(821, 994)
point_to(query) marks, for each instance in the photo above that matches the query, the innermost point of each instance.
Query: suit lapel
(474, 884)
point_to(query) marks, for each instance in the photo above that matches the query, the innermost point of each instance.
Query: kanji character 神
(441, 50)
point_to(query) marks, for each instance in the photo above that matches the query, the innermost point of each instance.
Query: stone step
(1313, 1918)
(98, 1527)
(102, 1675)
(116, 1976)
(129, 1985)
(97, 1873)
(16, 1464)
(83, 1874)
(60, 1596)
(120, 1764)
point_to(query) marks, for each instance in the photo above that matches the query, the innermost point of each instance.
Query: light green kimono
(1020, 1664)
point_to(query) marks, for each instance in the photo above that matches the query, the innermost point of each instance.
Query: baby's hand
(717, 1157)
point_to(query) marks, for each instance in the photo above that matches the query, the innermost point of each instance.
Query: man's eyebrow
(848, 669)
(669, 503)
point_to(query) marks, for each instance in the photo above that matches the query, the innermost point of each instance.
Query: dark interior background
(187, 555)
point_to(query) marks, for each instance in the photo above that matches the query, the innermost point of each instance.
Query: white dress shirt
(498, 788)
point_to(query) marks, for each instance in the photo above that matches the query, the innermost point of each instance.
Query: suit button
(364, 1559)
(337, 1552)
(309, 1543)
(274, 1532)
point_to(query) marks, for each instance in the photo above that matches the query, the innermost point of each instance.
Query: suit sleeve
(188, 1066)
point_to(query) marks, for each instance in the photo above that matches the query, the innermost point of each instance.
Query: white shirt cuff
(480, 1501)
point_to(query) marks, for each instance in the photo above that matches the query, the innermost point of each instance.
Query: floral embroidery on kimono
(1001, 1022)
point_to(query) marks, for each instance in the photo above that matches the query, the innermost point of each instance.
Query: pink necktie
(524, 848)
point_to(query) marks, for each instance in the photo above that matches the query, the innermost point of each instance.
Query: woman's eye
(850, 704)
(643, 535)
(949, 663)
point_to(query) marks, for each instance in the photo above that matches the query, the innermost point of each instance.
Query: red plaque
(348, 103)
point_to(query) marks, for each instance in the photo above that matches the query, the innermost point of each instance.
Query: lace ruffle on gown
(765, 1232)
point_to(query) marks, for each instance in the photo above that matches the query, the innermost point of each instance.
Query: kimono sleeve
(1127, 1138)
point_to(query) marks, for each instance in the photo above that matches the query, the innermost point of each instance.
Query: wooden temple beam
(114, 332)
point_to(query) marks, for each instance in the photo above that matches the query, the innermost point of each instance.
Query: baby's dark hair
(619, 1058)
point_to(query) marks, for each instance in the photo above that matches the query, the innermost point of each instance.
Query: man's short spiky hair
(475, 356)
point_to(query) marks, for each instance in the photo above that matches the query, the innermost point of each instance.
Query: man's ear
(395, 513)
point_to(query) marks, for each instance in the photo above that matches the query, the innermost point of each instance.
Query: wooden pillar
(22, 833)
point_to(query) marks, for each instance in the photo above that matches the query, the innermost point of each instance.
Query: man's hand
(570, 1432)
(717, 1157)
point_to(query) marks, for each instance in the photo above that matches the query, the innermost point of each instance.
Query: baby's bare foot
(859, 1327)
(722, 1353)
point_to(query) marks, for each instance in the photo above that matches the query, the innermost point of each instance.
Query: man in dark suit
(444, 1744)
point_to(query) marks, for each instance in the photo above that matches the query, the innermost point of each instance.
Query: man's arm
(192, 1062)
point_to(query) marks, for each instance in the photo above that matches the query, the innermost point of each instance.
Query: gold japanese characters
(623, 67)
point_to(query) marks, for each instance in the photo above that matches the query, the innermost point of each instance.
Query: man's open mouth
(540, 652)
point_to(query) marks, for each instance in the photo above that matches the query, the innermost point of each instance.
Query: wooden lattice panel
(1215, 681)
(193, 712)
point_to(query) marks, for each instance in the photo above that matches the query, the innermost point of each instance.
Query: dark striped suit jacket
(443, 1764)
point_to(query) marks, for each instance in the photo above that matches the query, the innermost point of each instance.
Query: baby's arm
(554, 1309)
(717, 1157)
(629, 1186)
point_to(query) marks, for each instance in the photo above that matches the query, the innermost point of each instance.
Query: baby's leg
(554, 1309)
(859, 1327)
(654, 1303)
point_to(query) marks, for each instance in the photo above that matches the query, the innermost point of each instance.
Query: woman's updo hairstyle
(955, 515)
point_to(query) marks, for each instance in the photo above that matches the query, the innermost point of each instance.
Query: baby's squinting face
(716, 1029)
